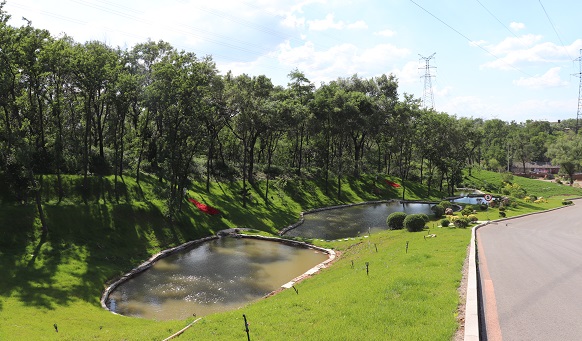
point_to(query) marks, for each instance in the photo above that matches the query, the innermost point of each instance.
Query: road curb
(472, 299)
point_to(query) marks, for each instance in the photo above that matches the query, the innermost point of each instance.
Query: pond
(215, 276)
(471, 200)
(353, 221)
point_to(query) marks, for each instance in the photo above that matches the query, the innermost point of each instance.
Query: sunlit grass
(60, 280)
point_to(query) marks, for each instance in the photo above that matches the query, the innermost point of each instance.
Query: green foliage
(415, 222)
(395, 220)
(446, 204)
(502, 214)
(567, 202)
(425, 217)
(467, 210)
(462, 222)
(438, 211)
(507, 177)
(514, 190)
(485, 179)
(445, 222)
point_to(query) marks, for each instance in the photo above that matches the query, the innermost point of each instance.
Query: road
(531, 276)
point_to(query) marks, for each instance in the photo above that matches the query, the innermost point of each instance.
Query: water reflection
(353, 221)
(215, 276)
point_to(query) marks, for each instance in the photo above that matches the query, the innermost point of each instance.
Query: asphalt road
(531, 276)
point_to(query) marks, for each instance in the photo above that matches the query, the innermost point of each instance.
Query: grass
(405, 296)
(59, 280)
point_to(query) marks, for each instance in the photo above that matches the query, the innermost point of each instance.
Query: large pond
(218, 275)
(353, 221)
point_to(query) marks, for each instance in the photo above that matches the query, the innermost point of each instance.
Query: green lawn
(405, 296)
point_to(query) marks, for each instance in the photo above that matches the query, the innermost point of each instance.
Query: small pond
(353, 221)
(471, 200)
(218, 275)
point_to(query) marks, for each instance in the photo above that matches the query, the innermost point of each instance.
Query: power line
(513, 33)
(554, 27)
(469, 40)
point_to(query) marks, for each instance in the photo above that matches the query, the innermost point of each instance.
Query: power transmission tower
(579, 75)
(427, 95)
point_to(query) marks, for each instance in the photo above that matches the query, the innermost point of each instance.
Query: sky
(513, 60)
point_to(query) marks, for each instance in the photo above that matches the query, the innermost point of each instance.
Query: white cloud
(408, 74)
(517, 26)
(467, 106)
(292, 21)
(339, 61)
(325, 24)
(516, 52)
(330, 23)
(385, 33)
(548, 80)
(358, 25)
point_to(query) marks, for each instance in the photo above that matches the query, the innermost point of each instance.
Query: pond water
(215, 276)
(353, 221)
(471, 200)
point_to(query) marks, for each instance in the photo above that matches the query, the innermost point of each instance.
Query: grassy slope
(60, 280)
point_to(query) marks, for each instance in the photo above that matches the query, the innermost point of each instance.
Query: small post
(406, 246)
(56, 328)
(376, 246)
(367, 270)
(247, 328)
(296, 291)
(352, 263)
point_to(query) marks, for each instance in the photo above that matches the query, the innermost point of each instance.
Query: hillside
(59, 279)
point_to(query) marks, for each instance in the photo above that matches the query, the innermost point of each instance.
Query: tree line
(94, 110)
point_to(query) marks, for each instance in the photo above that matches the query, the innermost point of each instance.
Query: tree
(566, 151)
(300, 94)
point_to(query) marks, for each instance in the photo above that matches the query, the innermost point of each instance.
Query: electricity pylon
(427, 95)
(579, 75)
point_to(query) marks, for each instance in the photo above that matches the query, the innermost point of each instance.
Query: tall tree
(566, 151)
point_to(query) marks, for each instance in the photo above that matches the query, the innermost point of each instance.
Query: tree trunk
(39, 208)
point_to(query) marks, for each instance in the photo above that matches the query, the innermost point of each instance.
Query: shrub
(425, 217)
(438, 211)
(466, 211)
(414, 222)
(473, 217)
(566, 202)
(445, 204)
(462, 222)
(395, 220)
(502, 214)
(501, 208)
(445, 222)
(483, 207)
(513, 189)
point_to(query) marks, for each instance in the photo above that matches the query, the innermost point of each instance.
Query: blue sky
(512, 60)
